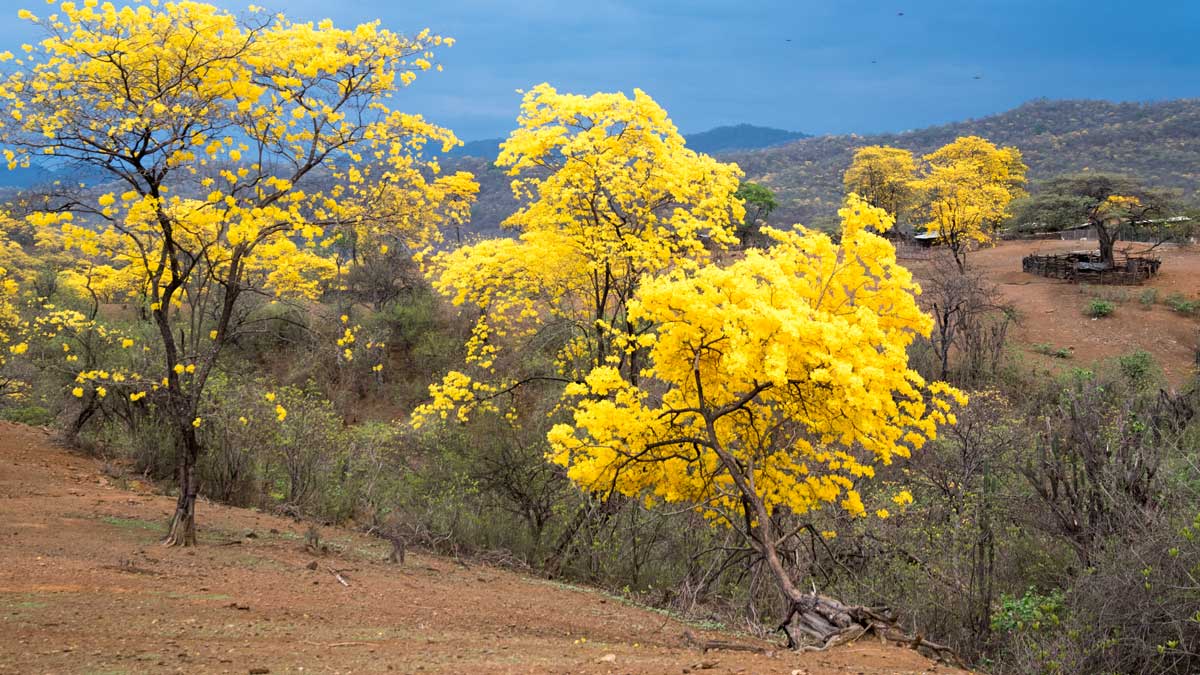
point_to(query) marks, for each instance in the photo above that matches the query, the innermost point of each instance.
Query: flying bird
(977, 77)
(899, 13)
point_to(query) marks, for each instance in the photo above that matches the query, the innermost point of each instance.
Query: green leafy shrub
(1051, 350)
(33, 415)
(1032, 611)
(1179, 303)
(1137, 365)
(1148, 298)
(1099, 308)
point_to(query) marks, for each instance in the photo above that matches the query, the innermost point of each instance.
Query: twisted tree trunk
(183, 524)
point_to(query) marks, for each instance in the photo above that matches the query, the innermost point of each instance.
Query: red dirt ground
(86, 588)
(1051, 311)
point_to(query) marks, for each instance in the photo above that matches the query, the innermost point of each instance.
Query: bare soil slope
(86, 588)
(1052, 311)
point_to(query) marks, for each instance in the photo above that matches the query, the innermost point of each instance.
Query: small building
(927, 239)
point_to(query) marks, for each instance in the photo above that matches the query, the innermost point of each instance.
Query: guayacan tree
(609, 194)
(965, 189)
(1106, 202)
(238, 151)
(883, 176)
(773, 385)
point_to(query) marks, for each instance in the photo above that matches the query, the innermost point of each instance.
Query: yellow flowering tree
(883, 176)
(241, 152)
(609, 193)
(772, 385)
(965, 190)
(9, 320)
(19, 270)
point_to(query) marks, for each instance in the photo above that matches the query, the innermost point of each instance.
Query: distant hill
(720, 139)
(1159, 142)
(487, 148)
(740, 137)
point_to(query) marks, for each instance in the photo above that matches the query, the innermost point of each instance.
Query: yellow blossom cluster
(609, 192)
(244, 155)
(966, 188)
(351, 344)
(785, 373)
(66, 334)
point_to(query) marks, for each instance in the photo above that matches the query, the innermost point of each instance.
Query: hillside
(85, 588)
(1159, 142)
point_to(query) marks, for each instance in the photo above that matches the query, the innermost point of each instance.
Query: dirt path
(85, 588)
(1051, 311)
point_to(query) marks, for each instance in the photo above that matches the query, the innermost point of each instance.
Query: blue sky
(819, 66)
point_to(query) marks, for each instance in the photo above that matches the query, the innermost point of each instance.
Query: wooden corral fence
(909, 251)
(1086, 267)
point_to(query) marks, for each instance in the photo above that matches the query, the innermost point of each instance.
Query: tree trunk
(89, 409)
(1105, 238)
(183, 523)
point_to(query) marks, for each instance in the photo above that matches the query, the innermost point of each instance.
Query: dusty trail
(1051, 311)
(85, 588)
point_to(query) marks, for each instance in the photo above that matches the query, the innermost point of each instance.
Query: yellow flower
(19, 348)
(882, 513)
(270, 396)
(101, 392)
(196, 422)
(77, 392)
(178, 369)
(126, 343)
(280, 412)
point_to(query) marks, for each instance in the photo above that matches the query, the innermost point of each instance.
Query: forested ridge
(1158, 142)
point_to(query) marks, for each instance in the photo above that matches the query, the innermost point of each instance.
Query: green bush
(1051, 350)
(1178, 302)
(33, 415)
(1030, 612)
(1148, 298)
(1137, 366)
(1099, 308)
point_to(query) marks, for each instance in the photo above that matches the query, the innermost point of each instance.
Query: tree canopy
(772, 384)
(966, 188)
(243, 154)
(883, 176)
(759, 201)
(1106, 202)
(609, 193)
